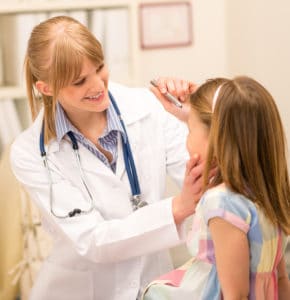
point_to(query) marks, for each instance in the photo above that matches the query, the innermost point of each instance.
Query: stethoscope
(136, 200)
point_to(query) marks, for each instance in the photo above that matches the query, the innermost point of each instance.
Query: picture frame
(165, 24)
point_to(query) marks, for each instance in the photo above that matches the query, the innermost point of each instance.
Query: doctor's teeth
(95, 96)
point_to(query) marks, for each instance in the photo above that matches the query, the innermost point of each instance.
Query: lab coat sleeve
(144, 231)
(174, 140)
(175, 133)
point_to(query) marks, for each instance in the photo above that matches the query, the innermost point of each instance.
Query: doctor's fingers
(196, 187)
(166, 84)
(192, 87)
(187, 89)
(175, 86)
(194, 166)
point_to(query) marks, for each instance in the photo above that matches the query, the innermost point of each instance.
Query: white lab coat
(112, 252)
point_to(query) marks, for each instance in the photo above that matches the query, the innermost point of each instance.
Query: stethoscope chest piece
(137, 202)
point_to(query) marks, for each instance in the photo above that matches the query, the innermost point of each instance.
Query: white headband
(215, 96)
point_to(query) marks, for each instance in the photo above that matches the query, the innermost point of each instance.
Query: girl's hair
(55, 53)
(247, 143)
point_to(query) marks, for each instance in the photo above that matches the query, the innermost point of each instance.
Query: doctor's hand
(184, 204)
(181, 89)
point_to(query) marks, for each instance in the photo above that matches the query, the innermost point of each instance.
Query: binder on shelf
(1, 67)
(57, 13)
(97, 25)
(16, 33)
(80, 15)
(10, 125)
(111, 27)
(116, 42)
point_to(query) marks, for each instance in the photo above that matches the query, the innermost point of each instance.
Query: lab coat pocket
(55, 282)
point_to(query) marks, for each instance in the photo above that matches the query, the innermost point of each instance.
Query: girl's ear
(43, 88)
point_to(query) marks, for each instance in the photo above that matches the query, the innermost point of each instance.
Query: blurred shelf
(26, 6)
(12, 92)
(15, 7)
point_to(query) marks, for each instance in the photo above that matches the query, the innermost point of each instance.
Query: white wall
(258, 43)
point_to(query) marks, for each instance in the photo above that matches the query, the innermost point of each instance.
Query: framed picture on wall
(165, 24)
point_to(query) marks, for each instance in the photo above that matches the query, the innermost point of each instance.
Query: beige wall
(259, 45)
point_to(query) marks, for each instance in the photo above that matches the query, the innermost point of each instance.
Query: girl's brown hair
(55, 54)
(247, 143)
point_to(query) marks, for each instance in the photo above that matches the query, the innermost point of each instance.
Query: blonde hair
(55, 54)
(247, 143)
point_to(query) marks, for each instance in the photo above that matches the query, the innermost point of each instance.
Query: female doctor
(94, 161)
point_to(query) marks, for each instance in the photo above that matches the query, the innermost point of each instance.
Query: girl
(239, 228)
(97, 177)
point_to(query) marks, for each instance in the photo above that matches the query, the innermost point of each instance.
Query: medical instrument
(167, 95)
(136, 199)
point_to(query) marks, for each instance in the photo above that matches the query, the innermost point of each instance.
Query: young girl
(239, 228)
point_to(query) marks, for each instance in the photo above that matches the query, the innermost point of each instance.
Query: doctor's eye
(100, 67)
(79, 82)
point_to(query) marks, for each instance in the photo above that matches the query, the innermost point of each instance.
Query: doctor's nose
(96, 82)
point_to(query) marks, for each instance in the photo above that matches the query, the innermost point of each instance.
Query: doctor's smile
(98, 97)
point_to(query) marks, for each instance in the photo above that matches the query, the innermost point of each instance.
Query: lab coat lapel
(132, 114)
(91, 163)
(120, 170)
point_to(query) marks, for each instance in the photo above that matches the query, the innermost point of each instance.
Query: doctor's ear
(43, 88)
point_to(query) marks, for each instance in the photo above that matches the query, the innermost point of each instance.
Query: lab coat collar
(128, 100)
(53, 145)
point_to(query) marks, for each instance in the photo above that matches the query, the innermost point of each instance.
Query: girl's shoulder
(220, 201)
(225, 196)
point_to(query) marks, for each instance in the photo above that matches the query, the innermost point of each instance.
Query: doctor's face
(197, 138)
(88, 93)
